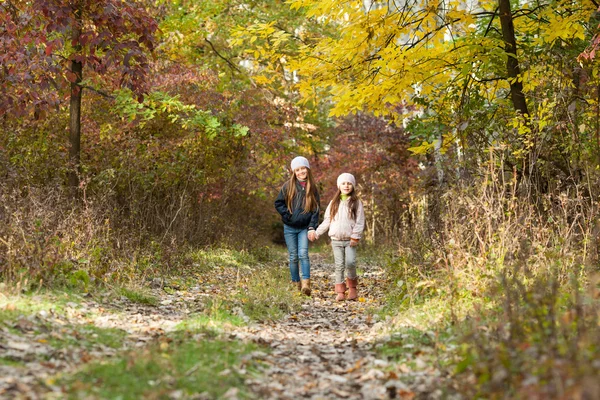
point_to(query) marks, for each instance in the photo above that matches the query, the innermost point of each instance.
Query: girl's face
(301, 173)
(346, 188)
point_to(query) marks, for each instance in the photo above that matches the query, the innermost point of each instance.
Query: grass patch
(11, 363)
(182, 366)
(406, 341)
(267, 295)
(372, 254)
(16, 306)
(217, 316)
(204, 260)
(138, 296)
(88, 336)
(195, 263)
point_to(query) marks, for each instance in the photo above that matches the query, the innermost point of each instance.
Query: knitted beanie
(346, 177)
(300, 162)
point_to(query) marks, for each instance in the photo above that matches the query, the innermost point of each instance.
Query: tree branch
(101, 93)
(229, 63)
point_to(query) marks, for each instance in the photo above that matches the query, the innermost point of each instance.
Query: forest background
(134, 132)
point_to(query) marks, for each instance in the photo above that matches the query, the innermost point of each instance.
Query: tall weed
(532, 264)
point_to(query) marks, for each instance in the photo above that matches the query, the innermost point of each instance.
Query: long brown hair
(352, 204)
(310, 200)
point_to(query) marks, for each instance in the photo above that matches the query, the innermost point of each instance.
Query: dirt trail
(325, 351)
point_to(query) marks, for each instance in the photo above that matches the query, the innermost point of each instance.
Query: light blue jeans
(296, 240)
(345, 260)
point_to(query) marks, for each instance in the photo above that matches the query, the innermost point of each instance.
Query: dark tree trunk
(512, 63)
(75, 108)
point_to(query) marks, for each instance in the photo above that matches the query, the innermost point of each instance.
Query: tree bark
(512, 63)
(75, 106)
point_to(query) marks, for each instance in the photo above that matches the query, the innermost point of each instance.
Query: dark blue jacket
(297, 218)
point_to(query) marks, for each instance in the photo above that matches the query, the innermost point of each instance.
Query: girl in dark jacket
(298, 205)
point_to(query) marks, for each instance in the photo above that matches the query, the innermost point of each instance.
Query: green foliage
(79, 279)
(205, 259)
(187, 116)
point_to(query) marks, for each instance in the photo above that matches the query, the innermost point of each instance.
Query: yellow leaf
(260, 79)
(423, 148)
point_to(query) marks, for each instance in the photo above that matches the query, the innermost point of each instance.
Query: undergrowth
(504, 294)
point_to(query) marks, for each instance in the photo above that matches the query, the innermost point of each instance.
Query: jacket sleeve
(280, 205)
(359, 226)
(314, 220)
(324, 227)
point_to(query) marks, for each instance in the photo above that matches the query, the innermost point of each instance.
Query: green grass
(183, 365)
(268, 296)
(13, 307)
(216, 317)
(203, 260)
(88, 336)
(11, 363)
(138, 296)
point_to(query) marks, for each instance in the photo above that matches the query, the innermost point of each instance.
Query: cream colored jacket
(342, 227)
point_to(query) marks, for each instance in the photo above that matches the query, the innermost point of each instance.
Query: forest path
(325, 351)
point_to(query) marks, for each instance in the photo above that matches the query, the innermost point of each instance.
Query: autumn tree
(47, 47)
(485, 83)
(204, 35)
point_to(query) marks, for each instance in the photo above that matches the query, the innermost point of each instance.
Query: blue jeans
(296, 240)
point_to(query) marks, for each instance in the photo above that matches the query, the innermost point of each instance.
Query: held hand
(354, 242)
(311, 236)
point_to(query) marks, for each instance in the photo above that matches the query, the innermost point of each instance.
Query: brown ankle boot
(352, 292)
(296, 285)
(340, 289)
(305, 287)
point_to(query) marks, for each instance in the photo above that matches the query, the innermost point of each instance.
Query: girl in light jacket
(345, 220)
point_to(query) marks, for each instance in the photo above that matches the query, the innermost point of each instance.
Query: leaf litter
(326, 350)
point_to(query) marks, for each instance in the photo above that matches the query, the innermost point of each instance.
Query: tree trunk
(512, 63)
(438, 157)
(75, 107)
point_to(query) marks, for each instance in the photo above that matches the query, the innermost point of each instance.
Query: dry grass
(529, 270)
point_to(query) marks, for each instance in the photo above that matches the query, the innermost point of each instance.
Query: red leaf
(71, 77)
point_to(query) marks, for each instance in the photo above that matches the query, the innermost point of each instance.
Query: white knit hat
(346, 177)
(300, 162)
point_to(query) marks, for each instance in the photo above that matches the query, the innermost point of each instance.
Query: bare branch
(229, 63)
(101, 93)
